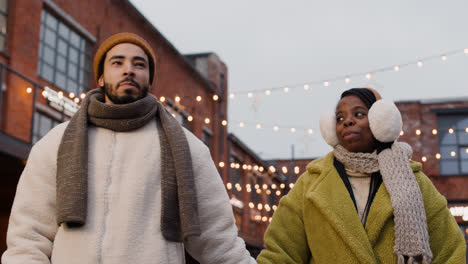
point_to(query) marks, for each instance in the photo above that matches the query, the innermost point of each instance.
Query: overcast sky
(268, 44)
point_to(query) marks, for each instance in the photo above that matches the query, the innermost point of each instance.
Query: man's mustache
(130, 80)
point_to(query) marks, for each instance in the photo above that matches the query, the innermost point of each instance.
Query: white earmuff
(385, 121)
(328, 128)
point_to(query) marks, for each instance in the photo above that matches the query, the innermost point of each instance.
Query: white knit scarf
(411, 235)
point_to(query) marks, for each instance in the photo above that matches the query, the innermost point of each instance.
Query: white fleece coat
(124, 206)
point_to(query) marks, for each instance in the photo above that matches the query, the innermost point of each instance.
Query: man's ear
(101, 81)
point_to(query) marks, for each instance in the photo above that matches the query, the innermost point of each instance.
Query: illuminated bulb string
(327, 82)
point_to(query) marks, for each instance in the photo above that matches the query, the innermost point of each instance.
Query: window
(236, 180)
(42, 125)
(3, 23)
(453, 144)
(64, 56)
(256, 184)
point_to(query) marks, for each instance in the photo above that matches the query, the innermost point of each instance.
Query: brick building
(255, 188)
(46, 58)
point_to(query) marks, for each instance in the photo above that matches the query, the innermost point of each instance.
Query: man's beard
(127, 98)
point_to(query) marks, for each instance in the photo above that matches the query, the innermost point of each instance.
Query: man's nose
(129, 69)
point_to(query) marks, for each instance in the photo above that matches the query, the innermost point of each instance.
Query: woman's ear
(385, 121)
(328, 128)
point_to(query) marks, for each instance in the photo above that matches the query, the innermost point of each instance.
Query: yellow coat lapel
(330, 196)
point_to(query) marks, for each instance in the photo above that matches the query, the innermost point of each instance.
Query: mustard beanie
(125, 37)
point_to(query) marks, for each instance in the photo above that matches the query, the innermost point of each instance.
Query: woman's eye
(339, 118)
(116, 63)
(359, 114)
(141, 65)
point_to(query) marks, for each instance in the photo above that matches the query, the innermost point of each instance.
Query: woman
(364, 202)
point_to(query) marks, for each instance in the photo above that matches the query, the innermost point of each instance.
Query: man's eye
(141, 65)
(116, 63)
(339, 118)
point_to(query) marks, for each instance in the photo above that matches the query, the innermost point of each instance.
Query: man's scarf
(411, 235)
(179, 216)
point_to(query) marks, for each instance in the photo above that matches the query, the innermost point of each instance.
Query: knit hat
(119, 38)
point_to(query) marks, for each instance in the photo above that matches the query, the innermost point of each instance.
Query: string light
(82, 96)
(282, 185)
(162, 99)
(286, 89)
(443, 57)
(207, 120)
(215, 97)
(60, 94)
(296, 170)
(451, 130)
(402, 133)
(71, 95)
(258, 126)
(241, 124)
(396, 68)
(424, 159)
(326, 83)
(199, 98)
(420, 64)
(231, 96)
(29, 90)
(369, 76)
(229, 186)
(347, 80)
(221, 164)
(278, 193)
(224, 123)
(284, 169)
(293, 129)
(291, 185)
(434, 131)
(453, 153)
(438, 156)
(190, 118)
(275, 128)
(306, 87)
(251, 205)
(44, 93)
(267, 92)
(177, 99)
(250, 95)
(418, 132)
(77, 100)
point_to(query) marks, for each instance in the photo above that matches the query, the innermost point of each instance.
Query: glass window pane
(449, 152)
(72, 71)
(4, 5)
(63, 31)
(462, 137)
(46, 125)
(447, 138)
(36, 123)
(62, 47)
(444, 122)
(50, 37)
(463, 152)
(449, 167)
(2, 43)
(463, 123)
(464, 167)
(60, 80)
(73, 55)
(51, 21)
(47, 72)
(72, 86)
(48, 55)
(61, 64)
(75, 39)
(3, 24)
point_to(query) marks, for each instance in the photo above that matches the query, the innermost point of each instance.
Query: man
(122, 182)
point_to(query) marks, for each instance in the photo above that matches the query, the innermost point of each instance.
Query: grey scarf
(411, 235)
(179, 216)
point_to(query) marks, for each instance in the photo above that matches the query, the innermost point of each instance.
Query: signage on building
(460, 211)
(59, 102)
